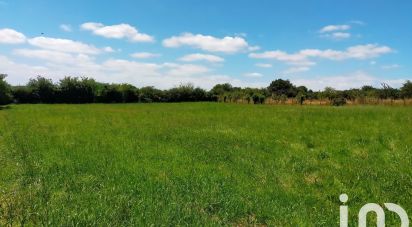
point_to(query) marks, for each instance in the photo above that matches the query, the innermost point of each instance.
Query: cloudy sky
(164, 43)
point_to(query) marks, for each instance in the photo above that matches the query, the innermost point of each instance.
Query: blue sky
(163, 43)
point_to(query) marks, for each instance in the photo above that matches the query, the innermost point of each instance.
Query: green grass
(200, 163)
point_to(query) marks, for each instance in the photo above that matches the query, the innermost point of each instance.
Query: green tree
(330, 93)
(23, 94)
(387, 92)
(43, 89)
(406, 90)
(369, 91)
(111, 93)
(220, 89)
(75, 90)
(5, 91)
(150, 94)
(129, 93)
(282, 87)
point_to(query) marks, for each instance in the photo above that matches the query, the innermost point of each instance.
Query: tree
(111, 93)
(352, 94)
(387, 92)
(23, 94)
(330, 93)
(300, 97)
(302, 89)
(369, 91)
(183, 92)
(5, 91)
(75, 90)
(129, 93)
(43, 89)
(258, 98)
(220, 89)
(282, 87)
(150, 94)
(406, 90)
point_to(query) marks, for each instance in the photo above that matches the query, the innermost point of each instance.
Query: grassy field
(201, 163)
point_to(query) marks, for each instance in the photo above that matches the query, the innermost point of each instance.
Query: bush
(283, 87)
(300, 98)
(5, 91)
(258, 98)
(339, 101)
(74, 90)
(129, 93)
(43, 90)
(186, 93)
(22, 94)
(111, 93)
(151, 94)
(406, 89)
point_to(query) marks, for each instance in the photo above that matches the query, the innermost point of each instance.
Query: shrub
(151, 94)
(282, 87)
(339, 101)
(300, 98)
(129, 93)
(406, 89)
(5, 91)
(74, 90)
(43, 90)
(23, 94)
(111, 93)
(258, 98)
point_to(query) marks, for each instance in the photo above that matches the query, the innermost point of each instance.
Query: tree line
(281, 91)
(87, 90)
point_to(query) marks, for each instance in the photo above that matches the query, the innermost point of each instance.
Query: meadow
(200, 164)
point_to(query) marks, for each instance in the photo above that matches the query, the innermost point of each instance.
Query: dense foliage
(5, 91)
(87, 90)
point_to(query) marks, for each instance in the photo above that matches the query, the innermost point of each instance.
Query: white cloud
(297, 69)
(185, 69)
(10, 36)
(119, 31)
(337, 35)
(18, 73)
(166, 75)
(56, 65)
(226, 44)
(336, 32)
(357, 22)
(63, 45)
(333, 28)
(143, 55)
(202, 57)
(293, 59)
(66, 27)
(305, 57)
(393, 66)
(364, 52)
(263, 65)
(52, 56)
(108, 49)
(253, 75)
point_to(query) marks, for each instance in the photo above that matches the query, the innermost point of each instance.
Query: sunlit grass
(200, 163)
